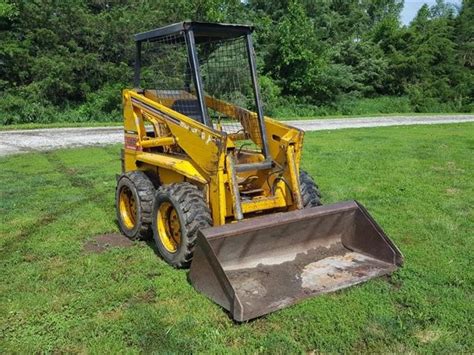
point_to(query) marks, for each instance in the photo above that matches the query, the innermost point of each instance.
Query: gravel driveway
(12, 142)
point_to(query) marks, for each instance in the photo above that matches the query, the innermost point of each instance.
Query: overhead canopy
(202, 31)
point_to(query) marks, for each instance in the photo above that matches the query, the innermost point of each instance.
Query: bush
(270, 92)
(376, 105)
(15, 109)
(291, 107)
(422, 101)
(103, 105)
(349, 105)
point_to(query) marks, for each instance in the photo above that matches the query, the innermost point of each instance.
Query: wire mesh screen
(166, 75)
(230, 100)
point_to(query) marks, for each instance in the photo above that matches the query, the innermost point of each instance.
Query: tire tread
(310, 193)
(146, 191)
(196, 215)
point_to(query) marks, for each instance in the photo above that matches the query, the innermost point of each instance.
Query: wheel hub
(169, 227)
(128, 207)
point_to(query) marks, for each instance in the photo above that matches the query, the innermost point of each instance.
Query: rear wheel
(133, 202)
(179, 211)
(310, 193)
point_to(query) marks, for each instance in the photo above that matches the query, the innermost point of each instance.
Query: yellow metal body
(176, 148)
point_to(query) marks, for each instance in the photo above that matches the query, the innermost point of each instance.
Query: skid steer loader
(219, 186)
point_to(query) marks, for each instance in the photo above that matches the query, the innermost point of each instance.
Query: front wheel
(310, 193)
(179, 211)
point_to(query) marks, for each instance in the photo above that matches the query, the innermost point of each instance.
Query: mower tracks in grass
(75, 179)
(72, 175)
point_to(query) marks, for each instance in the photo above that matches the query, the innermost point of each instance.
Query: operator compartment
(228, 102)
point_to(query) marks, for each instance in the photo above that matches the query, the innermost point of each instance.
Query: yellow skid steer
(219, 186)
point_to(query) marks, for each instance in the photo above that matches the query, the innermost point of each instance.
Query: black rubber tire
(193, 214)
(143, 192)
(310, 193)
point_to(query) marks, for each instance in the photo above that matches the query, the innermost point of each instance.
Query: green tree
(69, 59)
(437, 73)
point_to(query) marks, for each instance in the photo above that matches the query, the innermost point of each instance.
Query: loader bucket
(263, 264)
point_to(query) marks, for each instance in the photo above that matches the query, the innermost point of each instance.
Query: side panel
(204, 148)
(279, 136)
(131, 127)
(168, 176)
(285, 144)
(201, 143)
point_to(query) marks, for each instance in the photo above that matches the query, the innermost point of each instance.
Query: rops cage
(206, 72)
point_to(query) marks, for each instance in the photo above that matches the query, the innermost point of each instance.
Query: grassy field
(58, 295)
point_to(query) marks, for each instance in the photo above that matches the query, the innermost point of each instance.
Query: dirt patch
(449, 167)
(452, 191)
(428, 336)
(104, 242)
(147, 296)
(395, 283)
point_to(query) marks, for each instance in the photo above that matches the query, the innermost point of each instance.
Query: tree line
(68, 60)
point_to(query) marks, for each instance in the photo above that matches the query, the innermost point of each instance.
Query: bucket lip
(261, 222)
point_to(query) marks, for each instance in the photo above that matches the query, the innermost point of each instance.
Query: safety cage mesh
(226, 76)
(166, 75)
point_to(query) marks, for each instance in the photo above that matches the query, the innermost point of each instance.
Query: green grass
(350, 106)
(55, 297)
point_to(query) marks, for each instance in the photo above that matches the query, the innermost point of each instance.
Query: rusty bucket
(263, 264)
